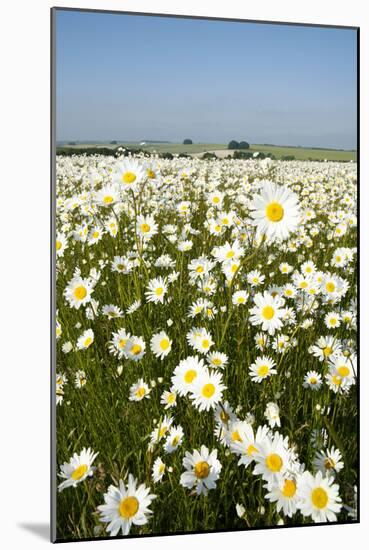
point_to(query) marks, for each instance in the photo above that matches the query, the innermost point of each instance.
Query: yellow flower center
(216, 200)
(150, 174)
(88, 341)
(159, 291)
(164, 344)
(319, 498)
(58, 245)
(208, 390)
(140, 392)
(202, 469)
(80, 292)
(329, 464)
(128, 507)
(95, 234)
(263, 370)
(200, 269)
(236, 436)
(122, 343)
(225, 221)
(171, 398)
(136, 349)
(343, 371)
(161, 468)
(79, 472)
(205, 343)
(251, 450)
(313, 381)
(303, 284)
(190, 376)
(145, 228)
(128, 177)
(230, 254)
(108, 199)
(289, 488)
(216, 361)
(327, 351)
(274, 462)
(274, 212)
(337, 380)
(224, 417)
(268, 312)
(330, 287)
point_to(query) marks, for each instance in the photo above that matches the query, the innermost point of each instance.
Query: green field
(300, 153)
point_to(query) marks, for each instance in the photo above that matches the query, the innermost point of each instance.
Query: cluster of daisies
(174, 274)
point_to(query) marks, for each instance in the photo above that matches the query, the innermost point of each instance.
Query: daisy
(77, 469)
(239, 297)
(80, 379)
(128, 174)
(202, 470)
(174, 439)
(325, 348)
(275, 211)
(186, 373)
(262, 368)
(122, 264)
(255, 278)
(168, 399)
(157, 288)
(267, 312)
(319, 497)
(139, 391)
(86, 339)
(312, 380)
(332, 320)
(135, 348)
(272, 414)
(78, 292)
(248, 443)
(207, 390)
(284, 493)
(61, 244)
(161, 430)
(272, 458)
(118, 344)
(107, 196)
(126, 505)
(200, 339)
(133, 307)
(344, 367)
(217, 359)
(112, 311)
(160, 345)
(146, 227)
(329, 461)
(158, 470)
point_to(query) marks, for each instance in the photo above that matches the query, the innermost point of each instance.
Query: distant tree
(244, 145)
(113, 142)
(72, 143)
(187, 141)
(233, 144)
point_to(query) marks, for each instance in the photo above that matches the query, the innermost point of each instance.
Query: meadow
(206, 344)
(220, 149)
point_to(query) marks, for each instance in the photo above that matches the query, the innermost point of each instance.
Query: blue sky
(132, 78)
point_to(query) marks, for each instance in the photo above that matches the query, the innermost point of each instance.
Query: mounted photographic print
(204, 266)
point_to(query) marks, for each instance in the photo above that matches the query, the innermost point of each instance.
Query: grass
(99, 415)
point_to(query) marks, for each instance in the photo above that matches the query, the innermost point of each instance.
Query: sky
(134, 78)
